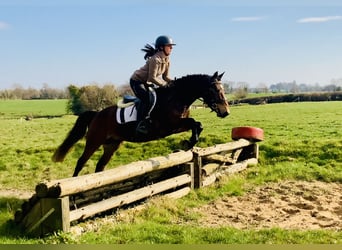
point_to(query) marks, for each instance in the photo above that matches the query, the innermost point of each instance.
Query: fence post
(48, 215)
(196, 171)
(256, 151)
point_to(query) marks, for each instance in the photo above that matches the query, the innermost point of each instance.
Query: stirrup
(143, 126)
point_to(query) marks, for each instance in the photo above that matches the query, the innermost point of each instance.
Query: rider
(155, 71)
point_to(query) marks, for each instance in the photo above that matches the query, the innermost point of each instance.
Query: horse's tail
(76, 133)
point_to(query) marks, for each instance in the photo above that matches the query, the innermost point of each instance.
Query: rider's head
(164, 43)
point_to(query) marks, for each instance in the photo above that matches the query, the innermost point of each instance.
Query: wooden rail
(64, 187)
(129, 197)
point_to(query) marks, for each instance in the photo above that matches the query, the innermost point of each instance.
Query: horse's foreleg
(108, 151)
(196, 131)
(195, 127)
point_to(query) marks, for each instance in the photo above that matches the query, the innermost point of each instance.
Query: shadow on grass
(9, 229)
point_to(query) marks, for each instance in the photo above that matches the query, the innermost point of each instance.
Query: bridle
(212, 97)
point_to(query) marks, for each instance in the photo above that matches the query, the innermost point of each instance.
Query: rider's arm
(166, 75)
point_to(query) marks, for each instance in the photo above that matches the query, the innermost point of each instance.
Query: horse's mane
(190, 78)
(190, 81)
(185, 88)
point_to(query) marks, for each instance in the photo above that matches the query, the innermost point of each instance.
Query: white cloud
(322, 19)
(3, 25)
(248, 19)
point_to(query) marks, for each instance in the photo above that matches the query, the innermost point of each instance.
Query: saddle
(130, 107)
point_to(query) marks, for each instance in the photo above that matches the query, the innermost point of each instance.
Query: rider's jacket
(156, 70)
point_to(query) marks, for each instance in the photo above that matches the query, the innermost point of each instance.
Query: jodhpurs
(143, 94)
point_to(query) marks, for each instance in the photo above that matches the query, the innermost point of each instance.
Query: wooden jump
(57, 203)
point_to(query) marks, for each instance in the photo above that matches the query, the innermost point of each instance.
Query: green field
(11, 109)
(303, 141)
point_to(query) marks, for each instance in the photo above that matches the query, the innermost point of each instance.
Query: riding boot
(145, 122)
(144, 126)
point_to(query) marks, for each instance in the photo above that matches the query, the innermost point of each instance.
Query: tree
(242, 90)
(262, 88)
(228, 87)
(125, 90)
(91, 97)
(17, 91)
(74, 104)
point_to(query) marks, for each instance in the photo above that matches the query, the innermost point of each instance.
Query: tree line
(17, 92)
(20, 93)
(96, 97)
(240, 89)
(88, 97)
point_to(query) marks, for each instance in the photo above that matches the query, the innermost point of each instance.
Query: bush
(91, 97)
(241, 93)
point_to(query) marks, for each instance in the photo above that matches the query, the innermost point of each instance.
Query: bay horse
(170, 115)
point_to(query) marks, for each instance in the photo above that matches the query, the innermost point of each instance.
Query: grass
(153, 233)
(10, 109)
(303, 141)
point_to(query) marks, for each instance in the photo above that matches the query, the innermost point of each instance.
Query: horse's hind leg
(108, 151)
(89, 150)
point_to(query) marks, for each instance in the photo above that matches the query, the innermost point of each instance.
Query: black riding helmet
(161, 41)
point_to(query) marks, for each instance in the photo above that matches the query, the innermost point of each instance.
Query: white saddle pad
(126, 114)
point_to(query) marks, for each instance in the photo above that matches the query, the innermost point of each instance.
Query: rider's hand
(169, 84)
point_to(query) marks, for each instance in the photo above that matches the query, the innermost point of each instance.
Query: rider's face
(167, 49)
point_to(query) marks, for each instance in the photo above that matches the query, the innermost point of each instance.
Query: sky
(260, 42)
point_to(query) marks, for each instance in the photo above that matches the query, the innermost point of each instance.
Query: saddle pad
(122, 104)
(127, 114)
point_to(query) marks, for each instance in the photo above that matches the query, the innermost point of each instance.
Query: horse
(169, 116)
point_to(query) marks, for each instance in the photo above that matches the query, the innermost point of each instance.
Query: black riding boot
(144, 126)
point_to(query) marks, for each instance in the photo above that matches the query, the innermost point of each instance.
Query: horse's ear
(220, 76)
(215, 75)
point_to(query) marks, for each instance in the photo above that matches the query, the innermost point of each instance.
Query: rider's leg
(143, 94)
(145, 121)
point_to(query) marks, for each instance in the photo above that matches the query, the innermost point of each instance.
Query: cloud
(248, 19)
(3, 25)
(322, 19)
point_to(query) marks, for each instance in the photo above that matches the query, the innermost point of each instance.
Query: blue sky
(81, 42)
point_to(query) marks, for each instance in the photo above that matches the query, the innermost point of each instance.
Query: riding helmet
(163, 40)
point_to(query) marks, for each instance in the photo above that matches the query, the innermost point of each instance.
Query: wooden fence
(58, 203)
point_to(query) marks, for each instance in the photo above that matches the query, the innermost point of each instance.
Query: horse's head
(215, 97)
(191, 87)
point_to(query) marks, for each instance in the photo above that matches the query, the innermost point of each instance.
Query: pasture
(303, 143)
